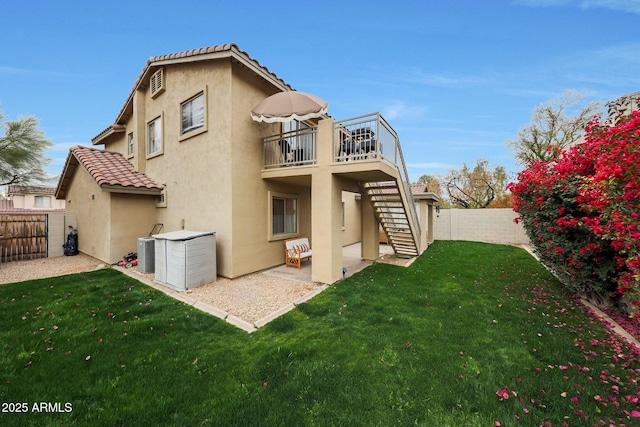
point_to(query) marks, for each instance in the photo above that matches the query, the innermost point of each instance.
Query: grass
(470, 335)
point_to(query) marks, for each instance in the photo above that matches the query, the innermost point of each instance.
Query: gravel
(19, 271)
(251, 297)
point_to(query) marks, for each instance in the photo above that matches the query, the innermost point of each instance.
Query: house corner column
(430, 221)
(424, 225)
(370, 231)
(326, 211)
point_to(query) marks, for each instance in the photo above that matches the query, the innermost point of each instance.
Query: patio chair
(285, 148)
(296, 251)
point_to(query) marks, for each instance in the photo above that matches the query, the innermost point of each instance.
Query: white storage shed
(185, 259)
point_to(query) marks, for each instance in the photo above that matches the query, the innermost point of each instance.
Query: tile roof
(227, 50)
(6, 207)
(418, 188)
(109, 169)
(30, 189)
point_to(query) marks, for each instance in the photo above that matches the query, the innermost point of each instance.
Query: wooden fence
(23, 236)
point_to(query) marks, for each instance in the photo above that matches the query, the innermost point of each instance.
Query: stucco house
(34, 198)
(184, 151)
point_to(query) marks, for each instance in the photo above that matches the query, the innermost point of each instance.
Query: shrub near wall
(581, 210)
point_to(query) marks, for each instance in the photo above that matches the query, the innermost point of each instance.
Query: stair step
(385, 198)
(389, 219)
(400, 225)
(390, 210)
(381, 184)
(412, 254)
(404, 244)
(406, 237)
(396, 231)
(388, 203)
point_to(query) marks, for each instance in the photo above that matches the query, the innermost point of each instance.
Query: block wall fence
(479, 225)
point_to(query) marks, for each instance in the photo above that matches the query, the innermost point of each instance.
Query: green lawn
(470, 335)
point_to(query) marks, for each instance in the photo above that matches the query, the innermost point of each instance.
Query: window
(284, 215)
(157, 83)
(42, 202)
(130, 144)
(193, 113)
(154, 136)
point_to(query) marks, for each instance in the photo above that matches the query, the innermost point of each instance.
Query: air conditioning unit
(146, 255)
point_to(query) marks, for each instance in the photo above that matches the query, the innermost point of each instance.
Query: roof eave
(131, 190)
(429, 197)
(103, 136)
(68, 170)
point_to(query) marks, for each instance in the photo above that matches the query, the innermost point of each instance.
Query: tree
(552, 129)
(476, 187)
(432, 182)
(22, 148)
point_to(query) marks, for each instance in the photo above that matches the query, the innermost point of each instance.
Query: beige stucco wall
(132, 216)
(352, 230)
(196, 171)
(212, 180)
(91, 207)
(481, 225)
(251, 249)
(108, 224)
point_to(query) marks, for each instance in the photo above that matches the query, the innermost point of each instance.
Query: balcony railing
(371, 137)
(365, 137)
(295, 148)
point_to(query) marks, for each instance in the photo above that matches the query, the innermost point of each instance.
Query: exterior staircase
(391, 205)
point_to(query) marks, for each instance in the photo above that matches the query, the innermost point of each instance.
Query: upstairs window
(42, 202)
(130, 144)
(157, 83)
(154, 137)
(193, 113)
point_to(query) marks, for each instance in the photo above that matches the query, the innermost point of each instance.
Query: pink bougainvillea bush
(582, 210)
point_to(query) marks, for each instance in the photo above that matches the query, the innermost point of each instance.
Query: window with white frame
(42, 202)
(130, 144)
(154, 136)
(284, 215)
(193, 113)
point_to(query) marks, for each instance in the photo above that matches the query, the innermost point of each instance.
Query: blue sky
(455, 78)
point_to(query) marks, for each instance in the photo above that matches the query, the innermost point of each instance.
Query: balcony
(295, 148)
(358, 139)
(364, 148)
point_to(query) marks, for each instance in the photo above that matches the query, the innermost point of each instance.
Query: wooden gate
(23, 236)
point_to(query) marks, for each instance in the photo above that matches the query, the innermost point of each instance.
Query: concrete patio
(351, 259)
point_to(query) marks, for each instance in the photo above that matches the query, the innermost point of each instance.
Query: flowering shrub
(581, 210)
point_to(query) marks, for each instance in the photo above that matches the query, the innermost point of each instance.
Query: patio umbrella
(288, 106)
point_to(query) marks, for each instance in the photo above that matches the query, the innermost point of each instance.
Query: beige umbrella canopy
(288, 106)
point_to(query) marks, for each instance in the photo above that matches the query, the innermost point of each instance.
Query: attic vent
(157, 83)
